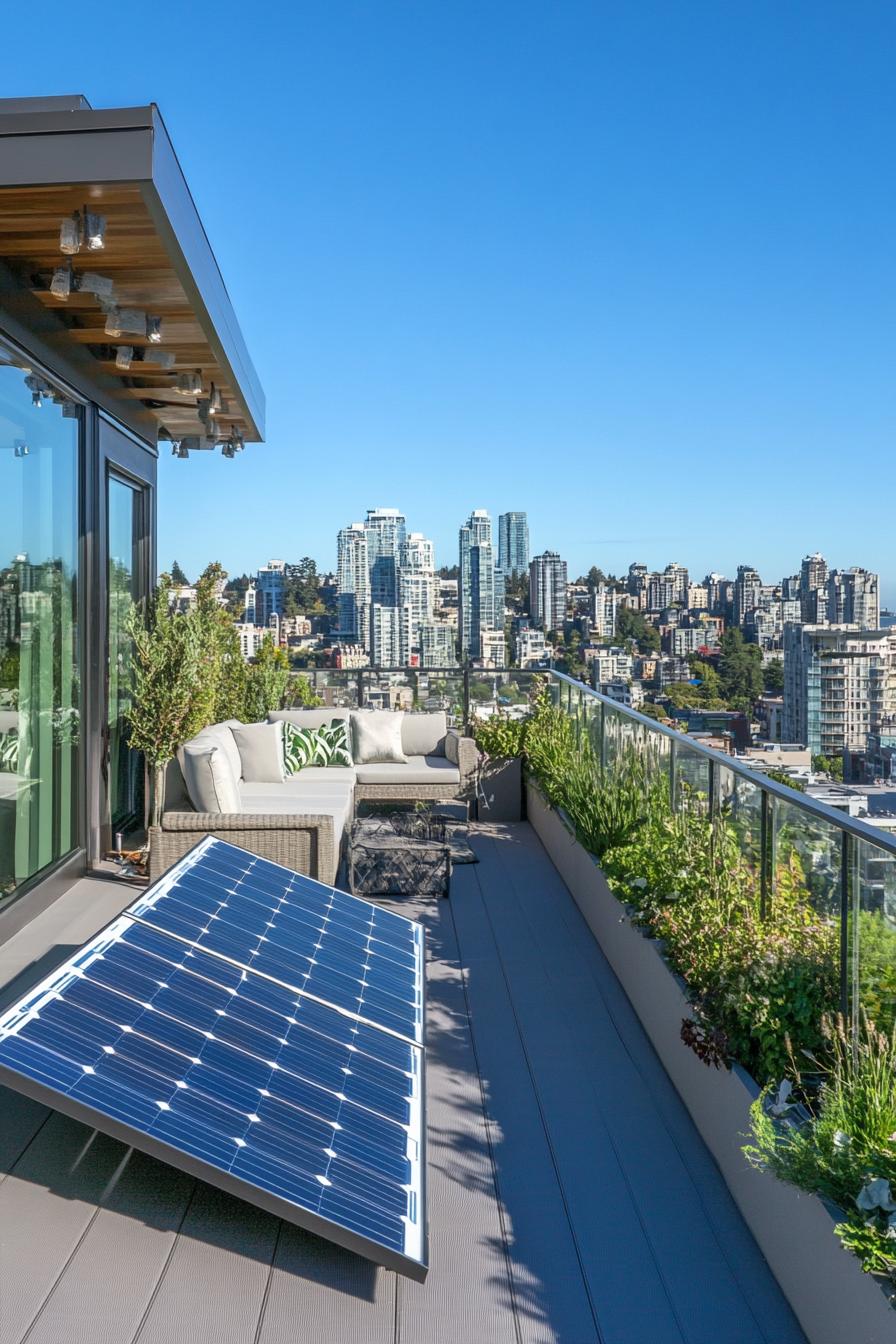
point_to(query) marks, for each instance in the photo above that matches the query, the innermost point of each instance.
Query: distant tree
(782, 777)
(632, 625)
(740, 670)
(653, 711)
(828, 765)
(178, 577)
(774, 677)
(235, 594)
(448, 572)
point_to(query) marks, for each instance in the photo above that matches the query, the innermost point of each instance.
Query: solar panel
(256, 1029)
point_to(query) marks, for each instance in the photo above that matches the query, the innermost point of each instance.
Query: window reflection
(39, 684)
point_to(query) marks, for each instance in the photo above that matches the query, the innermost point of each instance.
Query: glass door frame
(119, 456)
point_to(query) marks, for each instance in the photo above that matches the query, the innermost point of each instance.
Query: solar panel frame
(413, 1261)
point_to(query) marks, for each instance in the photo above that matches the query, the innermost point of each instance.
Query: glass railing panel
(691, 782)
(807, 860)
(740, 811)
(872, 941)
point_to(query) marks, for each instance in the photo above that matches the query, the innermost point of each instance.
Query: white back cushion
(424, 734)
(376, 736)
(260, 746)
(210, 781)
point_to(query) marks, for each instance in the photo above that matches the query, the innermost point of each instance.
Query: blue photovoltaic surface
(347, 951)
(304, 1101)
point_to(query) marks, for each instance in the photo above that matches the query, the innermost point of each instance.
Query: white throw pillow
(261, 752)
(376, 736)
(210, 780)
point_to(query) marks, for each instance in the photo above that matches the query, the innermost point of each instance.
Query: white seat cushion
(418, 770)
(324, 774)
(302, 785)
(336, 802)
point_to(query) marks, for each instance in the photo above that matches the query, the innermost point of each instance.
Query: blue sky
(627, 266)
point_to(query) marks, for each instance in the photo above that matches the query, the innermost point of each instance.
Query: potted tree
(502, 740)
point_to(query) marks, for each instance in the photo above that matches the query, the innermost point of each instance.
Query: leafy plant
(846, 1151)
(166, 669)
(500, 735)
(266, 681)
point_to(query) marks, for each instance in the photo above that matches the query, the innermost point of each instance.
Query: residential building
(547, 590)
(251, 637)
(350, 656)
(685, 640)
(611, 665)
(417, 579)
(493, 649)
(390, 635)
(603, 611)
(636, 582)
(270, 589)
(437, 644)
(677, 575)
(747, 592)
(698, 597)
(476, 591)
(628, 693)
(813, 589)
(839, 686)
(531, 649)
(79, 458)
(386, 531)
(513, 544)
(854, 598)
(353, 578)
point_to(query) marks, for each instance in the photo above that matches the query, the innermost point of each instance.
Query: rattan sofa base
(304, 844)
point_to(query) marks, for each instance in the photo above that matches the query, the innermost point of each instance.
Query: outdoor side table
(400, 855)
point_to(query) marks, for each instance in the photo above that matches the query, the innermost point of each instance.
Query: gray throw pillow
(261, 752)
(376, 736)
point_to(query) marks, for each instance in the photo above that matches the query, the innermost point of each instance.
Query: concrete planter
(501, 782)
(833, 1299)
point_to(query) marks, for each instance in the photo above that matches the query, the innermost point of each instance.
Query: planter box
(832, 1298)
(501, 783)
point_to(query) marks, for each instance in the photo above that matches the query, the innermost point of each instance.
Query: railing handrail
(861, 830)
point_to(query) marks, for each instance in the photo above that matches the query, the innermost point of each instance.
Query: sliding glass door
(40, 727)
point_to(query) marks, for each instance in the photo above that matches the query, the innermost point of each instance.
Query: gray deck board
(570, 1198)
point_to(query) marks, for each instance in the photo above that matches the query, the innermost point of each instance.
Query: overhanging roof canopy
(58, 157)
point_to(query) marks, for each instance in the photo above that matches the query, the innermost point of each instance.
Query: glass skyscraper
(513, 544)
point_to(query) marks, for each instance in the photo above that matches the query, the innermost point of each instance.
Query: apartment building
(513, 544)
(839, 686)
(547, 590)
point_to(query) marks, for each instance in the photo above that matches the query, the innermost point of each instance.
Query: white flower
(841, 1140)
(891, 1227)
(673, 895)
(639, 882)
(782, 1103)
(876, 1195)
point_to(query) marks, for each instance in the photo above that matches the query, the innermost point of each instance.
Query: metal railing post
(466, 695)
(766, 854)
(846, 859)
(672, 789)
(603, 737)
(360, 688)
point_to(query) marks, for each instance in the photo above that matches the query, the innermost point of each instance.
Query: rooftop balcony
(571, 1197)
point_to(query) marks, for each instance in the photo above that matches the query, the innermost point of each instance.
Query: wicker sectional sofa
(301, 821)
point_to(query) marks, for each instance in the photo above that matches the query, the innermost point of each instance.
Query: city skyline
(446, 556)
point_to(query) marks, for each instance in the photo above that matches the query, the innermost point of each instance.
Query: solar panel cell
(205, 1025)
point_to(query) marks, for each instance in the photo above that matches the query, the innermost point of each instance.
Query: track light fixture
(123, 356)
(100, 285)
(163, 358)
(82, 229)
(189, 385)
(214, 401)
(154, 330)
(180, 449)
(20, 448)
(38, 389)
(125, 322)
(61, 283)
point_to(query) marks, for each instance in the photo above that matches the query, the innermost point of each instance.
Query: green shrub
(846, 1152)
(500, 735)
